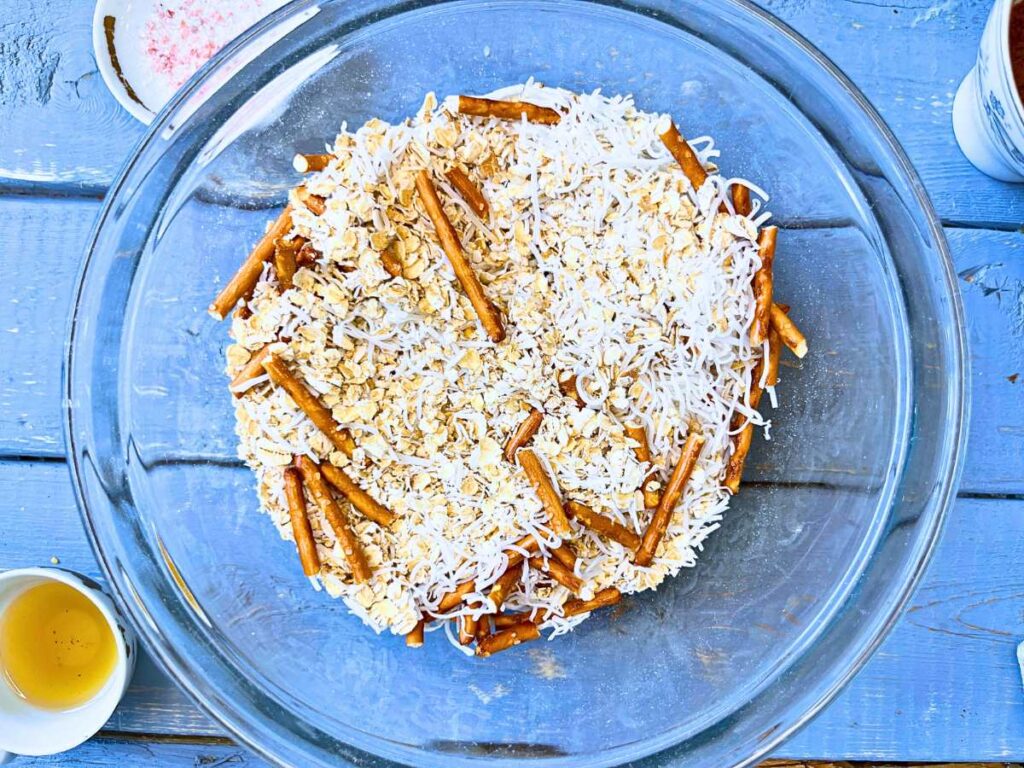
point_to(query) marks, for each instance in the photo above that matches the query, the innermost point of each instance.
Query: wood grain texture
(61, 125)
(944, 685)
(35, 299)
(42, 242)
(991, 270)
(909, 56)
(36, 496)
(116, 750)
(120, 751)
(53, 94)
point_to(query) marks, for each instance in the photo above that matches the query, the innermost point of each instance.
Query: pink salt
(181, 35)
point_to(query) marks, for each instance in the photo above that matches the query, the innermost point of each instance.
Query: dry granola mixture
(605, 264)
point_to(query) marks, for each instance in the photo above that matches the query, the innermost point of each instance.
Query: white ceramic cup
(29, 730)
(988, 117)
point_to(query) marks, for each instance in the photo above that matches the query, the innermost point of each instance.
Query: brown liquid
(1017, 46)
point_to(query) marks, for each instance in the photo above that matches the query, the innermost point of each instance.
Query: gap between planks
(146, 738)
(94, 192)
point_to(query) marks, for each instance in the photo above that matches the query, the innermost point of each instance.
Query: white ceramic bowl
(29, 730)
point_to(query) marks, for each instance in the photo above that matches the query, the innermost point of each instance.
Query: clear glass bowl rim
(236, 719)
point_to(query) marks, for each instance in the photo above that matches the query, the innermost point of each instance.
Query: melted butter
(56, 649)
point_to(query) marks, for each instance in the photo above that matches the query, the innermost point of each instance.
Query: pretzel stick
(740, 449)
(774, 354)
(301, 529)
(316, 204)
(673, 492)
(742, 440)
(791, 336)
(523, 434)
(310, 405)
(483, 628)
(741, 199)
(489, 316)
(242, 308)
(469, 191)
(565, 556)
(310, 163)
(245, 279)
(285, 250)
(756, 390)
(574, 607)
(307, 255)
(506, 620)
(638, 434)
(390, 261)
(602, 525)
(568, 388)
(507, 110)
(553, 568)
(682, 152)
(522, 632)
(339, 523)
(545, 491)
(249, 371)
(414, 639)
(357, 497)
(453, 598)
(762, 286)
(468, 626)
(604, 598)
(529, 543)
(503, 587)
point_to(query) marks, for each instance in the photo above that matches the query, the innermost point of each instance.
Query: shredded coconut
(605, 263)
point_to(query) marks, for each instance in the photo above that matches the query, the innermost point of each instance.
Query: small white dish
(988, 117)
(29, 730)
(146, 49)
(117, 29)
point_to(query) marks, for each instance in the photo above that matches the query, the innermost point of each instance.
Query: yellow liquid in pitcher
(56, 648)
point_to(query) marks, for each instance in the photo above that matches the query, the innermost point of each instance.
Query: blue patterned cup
(988, 117)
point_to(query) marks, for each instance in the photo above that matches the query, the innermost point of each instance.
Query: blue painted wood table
(945, 685)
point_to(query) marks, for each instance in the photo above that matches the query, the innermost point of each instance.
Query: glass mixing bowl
(819, 552)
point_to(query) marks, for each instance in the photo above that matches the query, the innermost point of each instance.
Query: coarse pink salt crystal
(181, 35)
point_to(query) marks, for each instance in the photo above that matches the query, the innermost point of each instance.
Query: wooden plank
(991, 268)
(43, 242)
(945, 685)
(56, 96)
(49, 237)
(116, 750)
(61, 125)
(35, 497)
(956, 644)
(909, 57)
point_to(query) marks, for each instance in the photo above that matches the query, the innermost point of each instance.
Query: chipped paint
(28, 68)
(933, 12)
